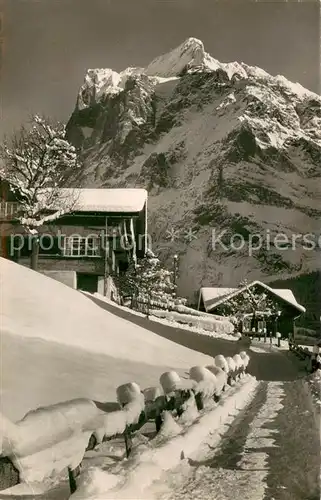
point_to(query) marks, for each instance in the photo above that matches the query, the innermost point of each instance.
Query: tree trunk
(34, 253)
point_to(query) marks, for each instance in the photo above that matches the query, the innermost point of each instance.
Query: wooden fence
(144, 307)
(152, 412)
(302, 353)
(311, 359)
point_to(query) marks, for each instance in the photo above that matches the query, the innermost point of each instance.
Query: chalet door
(87, 282)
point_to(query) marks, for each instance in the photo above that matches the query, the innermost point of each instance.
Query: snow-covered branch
(37, 162)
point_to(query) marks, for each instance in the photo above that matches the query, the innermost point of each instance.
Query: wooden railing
(300, 352)
(96, 423)
(143, 306)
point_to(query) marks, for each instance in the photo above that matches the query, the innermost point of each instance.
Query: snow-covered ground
(57, 345)
(269, 452)
(106, 474)
(213, 483)
(314, 383)
(221, 329)
(177, 439)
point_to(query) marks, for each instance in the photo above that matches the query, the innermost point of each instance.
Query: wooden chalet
(105, 229)
(213, 300)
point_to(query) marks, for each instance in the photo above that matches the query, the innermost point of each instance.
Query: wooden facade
(95, 243)
(284, 301)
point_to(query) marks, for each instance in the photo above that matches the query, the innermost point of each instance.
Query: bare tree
(37, 162)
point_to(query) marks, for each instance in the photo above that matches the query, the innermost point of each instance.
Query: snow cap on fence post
(128, 393)
(221, 377)
(206, 381)
(152, 393)
(170, 381)
(200, 373)
(231, 364)
(245, 357)
(238, 361)
(221, 362)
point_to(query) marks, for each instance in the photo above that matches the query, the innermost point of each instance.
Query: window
(78, 246)
(49, 245)
(8, 210)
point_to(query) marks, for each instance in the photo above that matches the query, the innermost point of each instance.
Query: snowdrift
(50, 439)
(161, 454)
(34, 305)
(91, 351)
(210, 324)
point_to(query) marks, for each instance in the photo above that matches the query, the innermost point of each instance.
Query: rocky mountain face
(230, 156)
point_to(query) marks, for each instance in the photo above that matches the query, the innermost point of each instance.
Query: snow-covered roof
(211, 295)
(214, 296)
(107, 200)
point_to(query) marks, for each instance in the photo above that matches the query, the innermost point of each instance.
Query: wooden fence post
(158, 421)
(72, 474)
(216, 398)
(199, 401)
(128, 440)
(9, 475)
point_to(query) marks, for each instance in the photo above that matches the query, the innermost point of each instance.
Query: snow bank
(141, 470)
(220, 327)
(206, 323)
(44, 427)
(49, 439)
(170, 427)
(47, 311)
(93, 482)
(190, 412)
(314, 384)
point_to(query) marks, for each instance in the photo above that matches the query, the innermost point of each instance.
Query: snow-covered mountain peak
(189, 56)
(103, 81)
(97, 81)
(190, 53)
(222, 145)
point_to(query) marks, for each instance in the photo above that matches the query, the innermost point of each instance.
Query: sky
(49, 44)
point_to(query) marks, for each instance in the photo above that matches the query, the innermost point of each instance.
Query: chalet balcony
(8, 210)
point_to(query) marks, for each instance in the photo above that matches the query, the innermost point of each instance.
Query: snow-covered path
(270, 452)
(272, 449)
